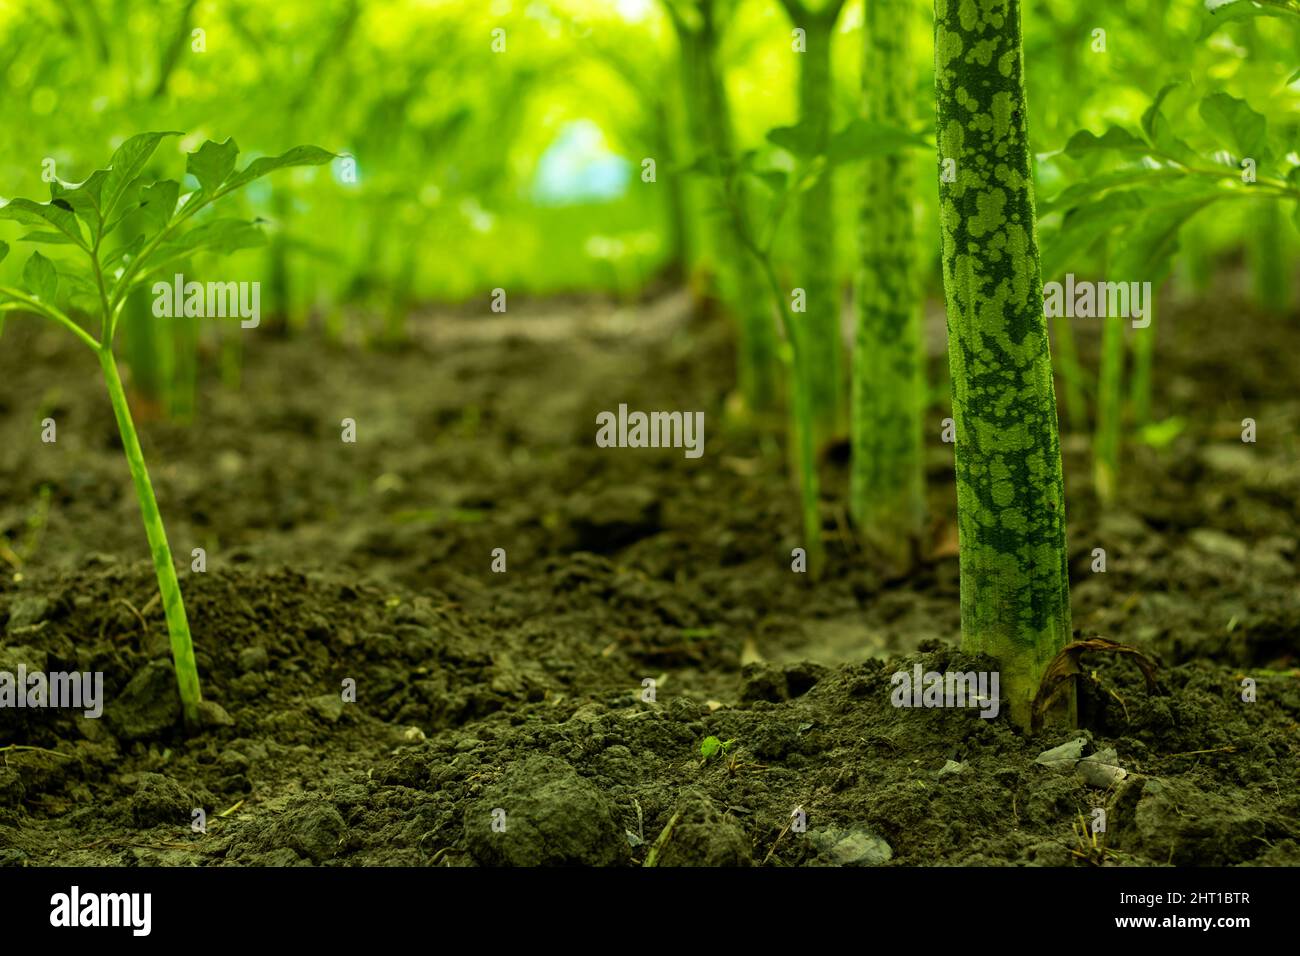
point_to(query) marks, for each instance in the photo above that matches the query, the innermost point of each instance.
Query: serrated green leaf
(1083, 226)
(212, 163)
(862, 139)
(1146, 251)
(1228, 11)
(158, 203)
(47, 237)
(57, 213)
(1237, 125)
(298, 156)
(1076, 193)
(1115, 139)
(797, 139)
(127, 163)
(40, 278)
(220, 236)
(1161, 434)
(84, 199)
(1160, 134)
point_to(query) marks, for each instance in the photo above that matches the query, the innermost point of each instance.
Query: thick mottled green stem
(886, 481)
(821, 321)
(178, 627)
(1015, 601)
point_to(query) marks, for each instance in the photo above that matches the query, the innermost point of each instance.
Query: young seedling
(128, 229)
(714, 745)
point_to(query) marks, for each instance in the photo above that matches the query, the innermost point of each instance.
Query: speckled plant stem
(1015, 602)
(886, 480)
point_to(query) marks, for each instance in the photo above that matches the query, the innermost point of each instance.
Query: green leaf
(862, 139)
(1161, 434)
(57, 213)
(40, 278)
(1074, 194)
(1160, 134)
(4, 250)
(220, 235)
(158, 203)
(796, 139)
(127, 163)
(705, 163)
(298, 156)
(1219, 12)
(212, 163)
(46, 236)
(1084, 225)
(84, 199)
(710, 746)
(1147, 250)
(1237, 125)
(774, 179)
(1115, 139)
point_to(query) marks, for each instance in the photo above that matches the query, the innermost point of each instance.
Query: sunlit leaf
(1237, 125)
(1219, 12)
(57, 213)
(1159, 132)
(40, 278)
(212, 163)
(298, 156)
(1115, 139)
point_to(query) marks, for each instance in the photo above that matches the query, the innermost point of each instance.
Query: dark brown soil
(520, 696)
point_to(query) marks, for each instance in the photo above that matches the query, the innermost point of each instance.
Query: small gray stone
(159, 799)
(1219, 544)
(552, 817)
(148, 705)
(1100, 770)
(328, 707)
(856, 846)
(253, 659)
(1065, 756)
(27, 610)
(212, 714)
(12, 790)
(315, 831)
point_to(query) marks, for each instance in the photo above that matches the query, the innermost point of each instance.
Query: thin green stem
(800, 396)
(178, 627)
(1109, 388)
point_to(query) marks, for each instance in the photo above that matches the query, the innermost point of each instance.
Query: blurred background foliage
(479, 168)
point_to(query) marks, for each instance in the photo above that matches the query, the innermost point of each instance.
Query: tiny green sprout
(126, 228)
(714, 745)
